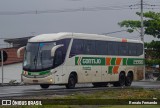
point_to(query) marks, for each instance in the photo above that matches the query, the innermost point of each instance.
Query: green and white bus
(70, 58)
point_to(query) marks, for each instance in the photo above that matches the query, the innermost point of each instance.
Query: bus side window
(77, 47)
(113, 48)
(139, 49)
(132, 49)
(101, 48)
(123, 49)
(89, 47)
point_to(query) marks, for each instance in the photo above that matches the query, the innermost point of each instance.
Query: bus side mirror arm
(19, 51)
(53, 50)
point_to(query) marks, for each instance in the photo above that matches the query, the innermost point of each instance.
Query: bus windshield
(38, 56)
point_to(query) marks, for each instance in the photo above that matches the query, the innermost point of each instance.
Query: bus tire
(129, 79)
(121, 81)
(71, 82)
(44, 86)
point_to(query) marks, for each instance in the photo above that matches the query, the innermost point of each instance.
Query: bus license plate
(35, 81)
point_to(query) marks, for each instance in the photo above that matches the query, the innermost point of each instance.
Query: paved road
(19, 91)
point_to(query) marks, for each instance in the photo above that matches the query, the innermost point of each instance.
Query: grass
(130, 93)
(123, 93)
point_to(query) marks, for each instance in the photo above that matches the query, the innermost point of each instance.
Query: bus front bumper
(38, 80)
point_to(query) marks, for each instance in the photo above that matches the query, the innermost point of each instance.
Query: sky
(98, 22)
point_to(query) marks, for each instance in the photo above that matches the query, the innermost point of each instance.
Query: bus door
(58, 75)
(58, 60)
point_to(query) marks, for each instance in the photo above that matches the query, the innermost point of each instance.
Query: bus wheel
(129, 79)
(121, 81)
(71, 82)
(44, 86)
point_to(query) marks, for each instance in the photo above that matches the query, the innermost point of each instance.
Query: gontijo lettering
(91, 61)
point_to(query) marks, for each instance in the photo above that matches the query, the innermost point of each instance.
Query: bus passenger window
(123, 49)
(132, 49)
(77, 47)
(139, 49)
(113, 48)
(89, 47)
(101, 48)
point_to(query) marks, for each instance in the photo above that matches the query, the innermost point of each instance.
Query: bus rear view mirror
(53, 50)
(19, 51)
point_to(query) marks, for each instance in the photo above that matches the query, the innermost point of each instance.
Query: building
(11, 52)
(13, 65)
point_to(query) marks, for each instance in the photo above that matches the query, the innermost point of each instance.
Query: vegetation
(152, 28)
(122, 93)
(151, 24)
(152, 53)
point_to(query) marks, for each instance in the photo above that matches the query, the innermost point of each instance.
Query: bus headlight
(25, 73)
(51, 80)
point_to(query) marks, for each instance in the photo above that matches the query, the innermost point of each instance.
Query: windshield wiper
(35, 61)
(41, 60)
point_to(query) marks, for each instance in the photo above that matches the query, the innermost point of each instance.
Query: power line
(145, 6)
(122, 7)
(114, 32)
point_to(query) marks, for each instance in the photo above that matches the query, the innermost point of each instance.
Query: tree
(153, 53)
(151, 24)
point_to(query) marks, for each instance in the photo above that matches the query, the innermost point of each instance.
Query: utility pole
(142, 25)
(142, 36)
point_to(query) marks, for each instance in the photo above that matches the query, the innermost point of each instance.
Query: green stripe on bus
(135, 61)
(110, 68)
(113, 61)
(39, 73)
(102, 61)
(124, 61)
(90, 61)
(76, 60)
